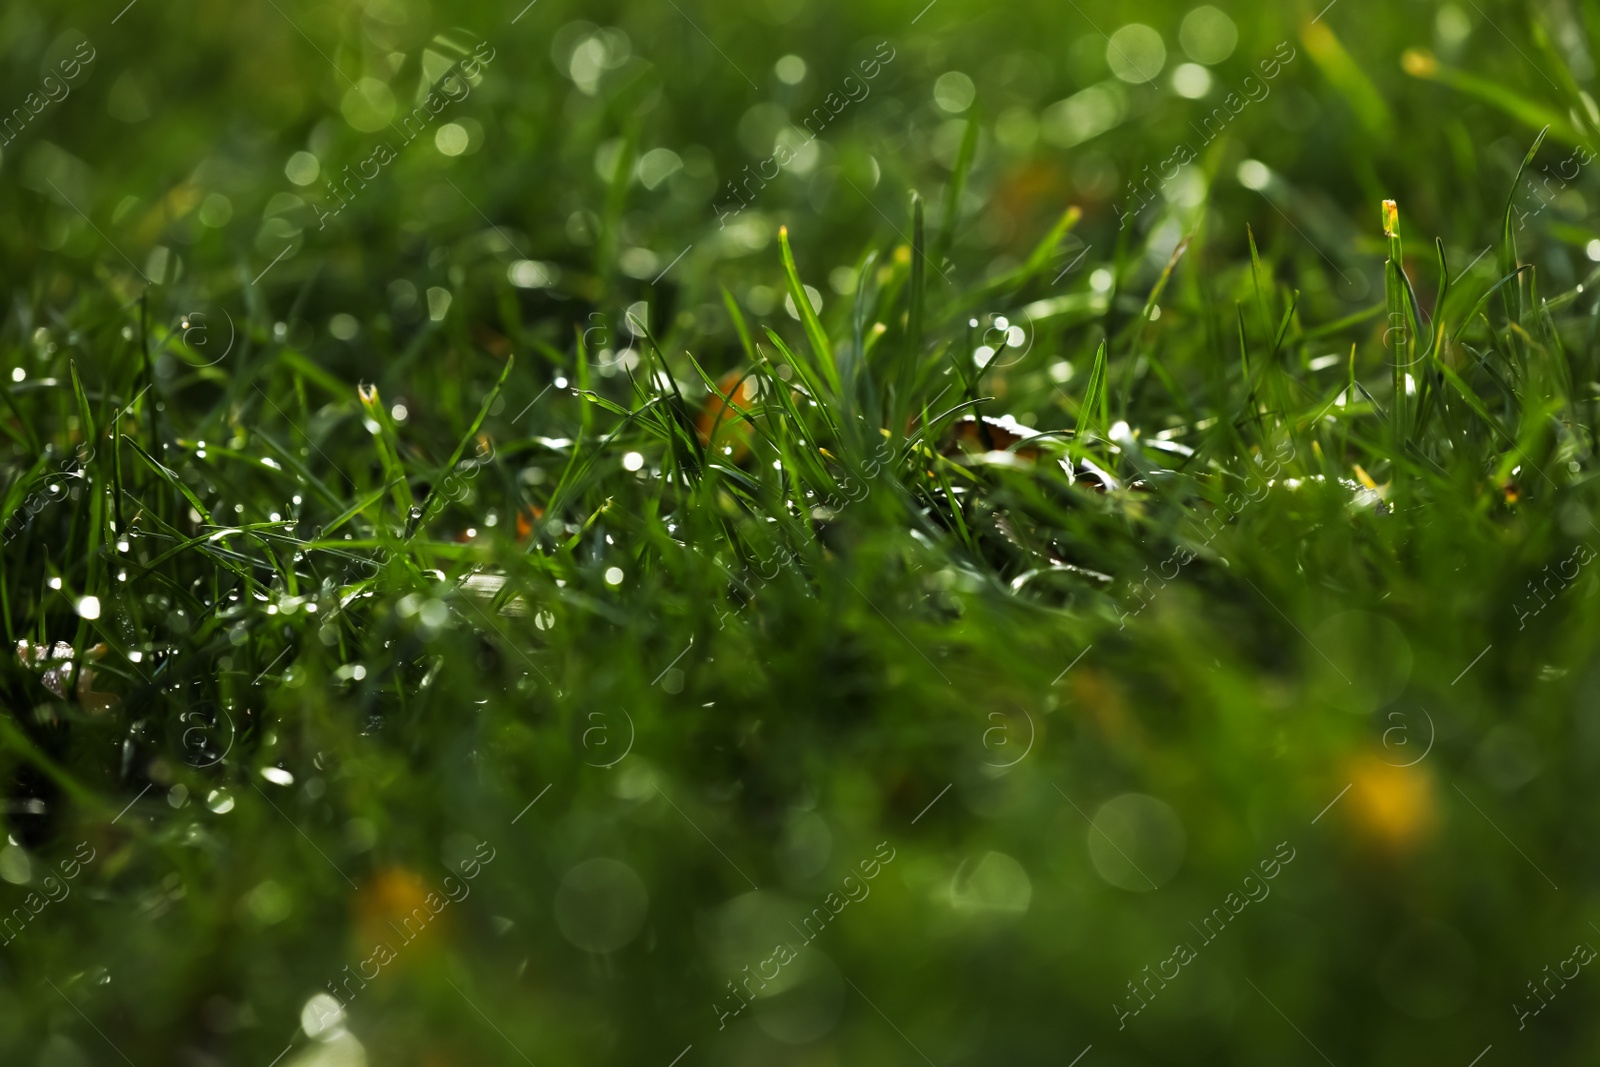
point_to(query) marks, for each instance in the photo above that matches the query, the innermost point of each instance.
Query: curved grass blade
(739, 325)
(1483, 302)
(1508, 242)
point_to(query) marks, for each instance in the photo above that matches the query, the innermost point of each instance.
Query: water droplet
(277, 776)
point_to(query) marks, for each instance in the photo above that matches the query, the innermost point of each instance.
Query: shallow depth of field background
(1364, 698)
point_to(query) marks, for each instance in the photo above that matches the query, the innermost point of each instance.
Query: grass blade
(820, 345)
(957, 186)
(1093, 415)
(1512, 297)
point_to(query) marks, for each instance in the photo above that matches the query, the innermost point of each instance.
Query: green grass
(606, 627)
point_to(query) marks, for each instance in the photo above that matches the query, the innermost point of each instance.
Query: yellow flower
(393, 908)
(1393, 805)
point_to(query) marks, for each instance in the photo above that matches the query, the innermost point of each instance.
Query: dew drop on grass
(277, 776)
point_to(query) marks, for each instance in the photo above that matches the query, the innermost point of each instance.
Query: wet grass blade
(1256, 273)
(821, 348)
(1512, 296)
(84, 414)
(386, 439)
(171, 477)
(1092, 414)
(361, 504)
(1436, 334)
(905, 379)
(483, 413)
(1397, 337)
(806, 379)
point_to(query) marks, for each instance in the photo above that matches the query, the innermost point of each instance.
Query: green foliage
(430, 560)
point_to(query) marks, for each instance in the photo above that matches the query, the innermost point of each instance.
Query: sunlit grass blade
(1093, 416)
(806, 378)
(386, 439)
(362, 504)
(821, 347)
(1397, 337)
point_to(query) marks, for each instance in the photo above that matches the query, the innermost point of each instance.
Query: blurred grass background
(282, 750)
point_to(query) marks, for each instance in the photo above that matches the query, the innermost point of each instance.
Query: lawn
(799, 533)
